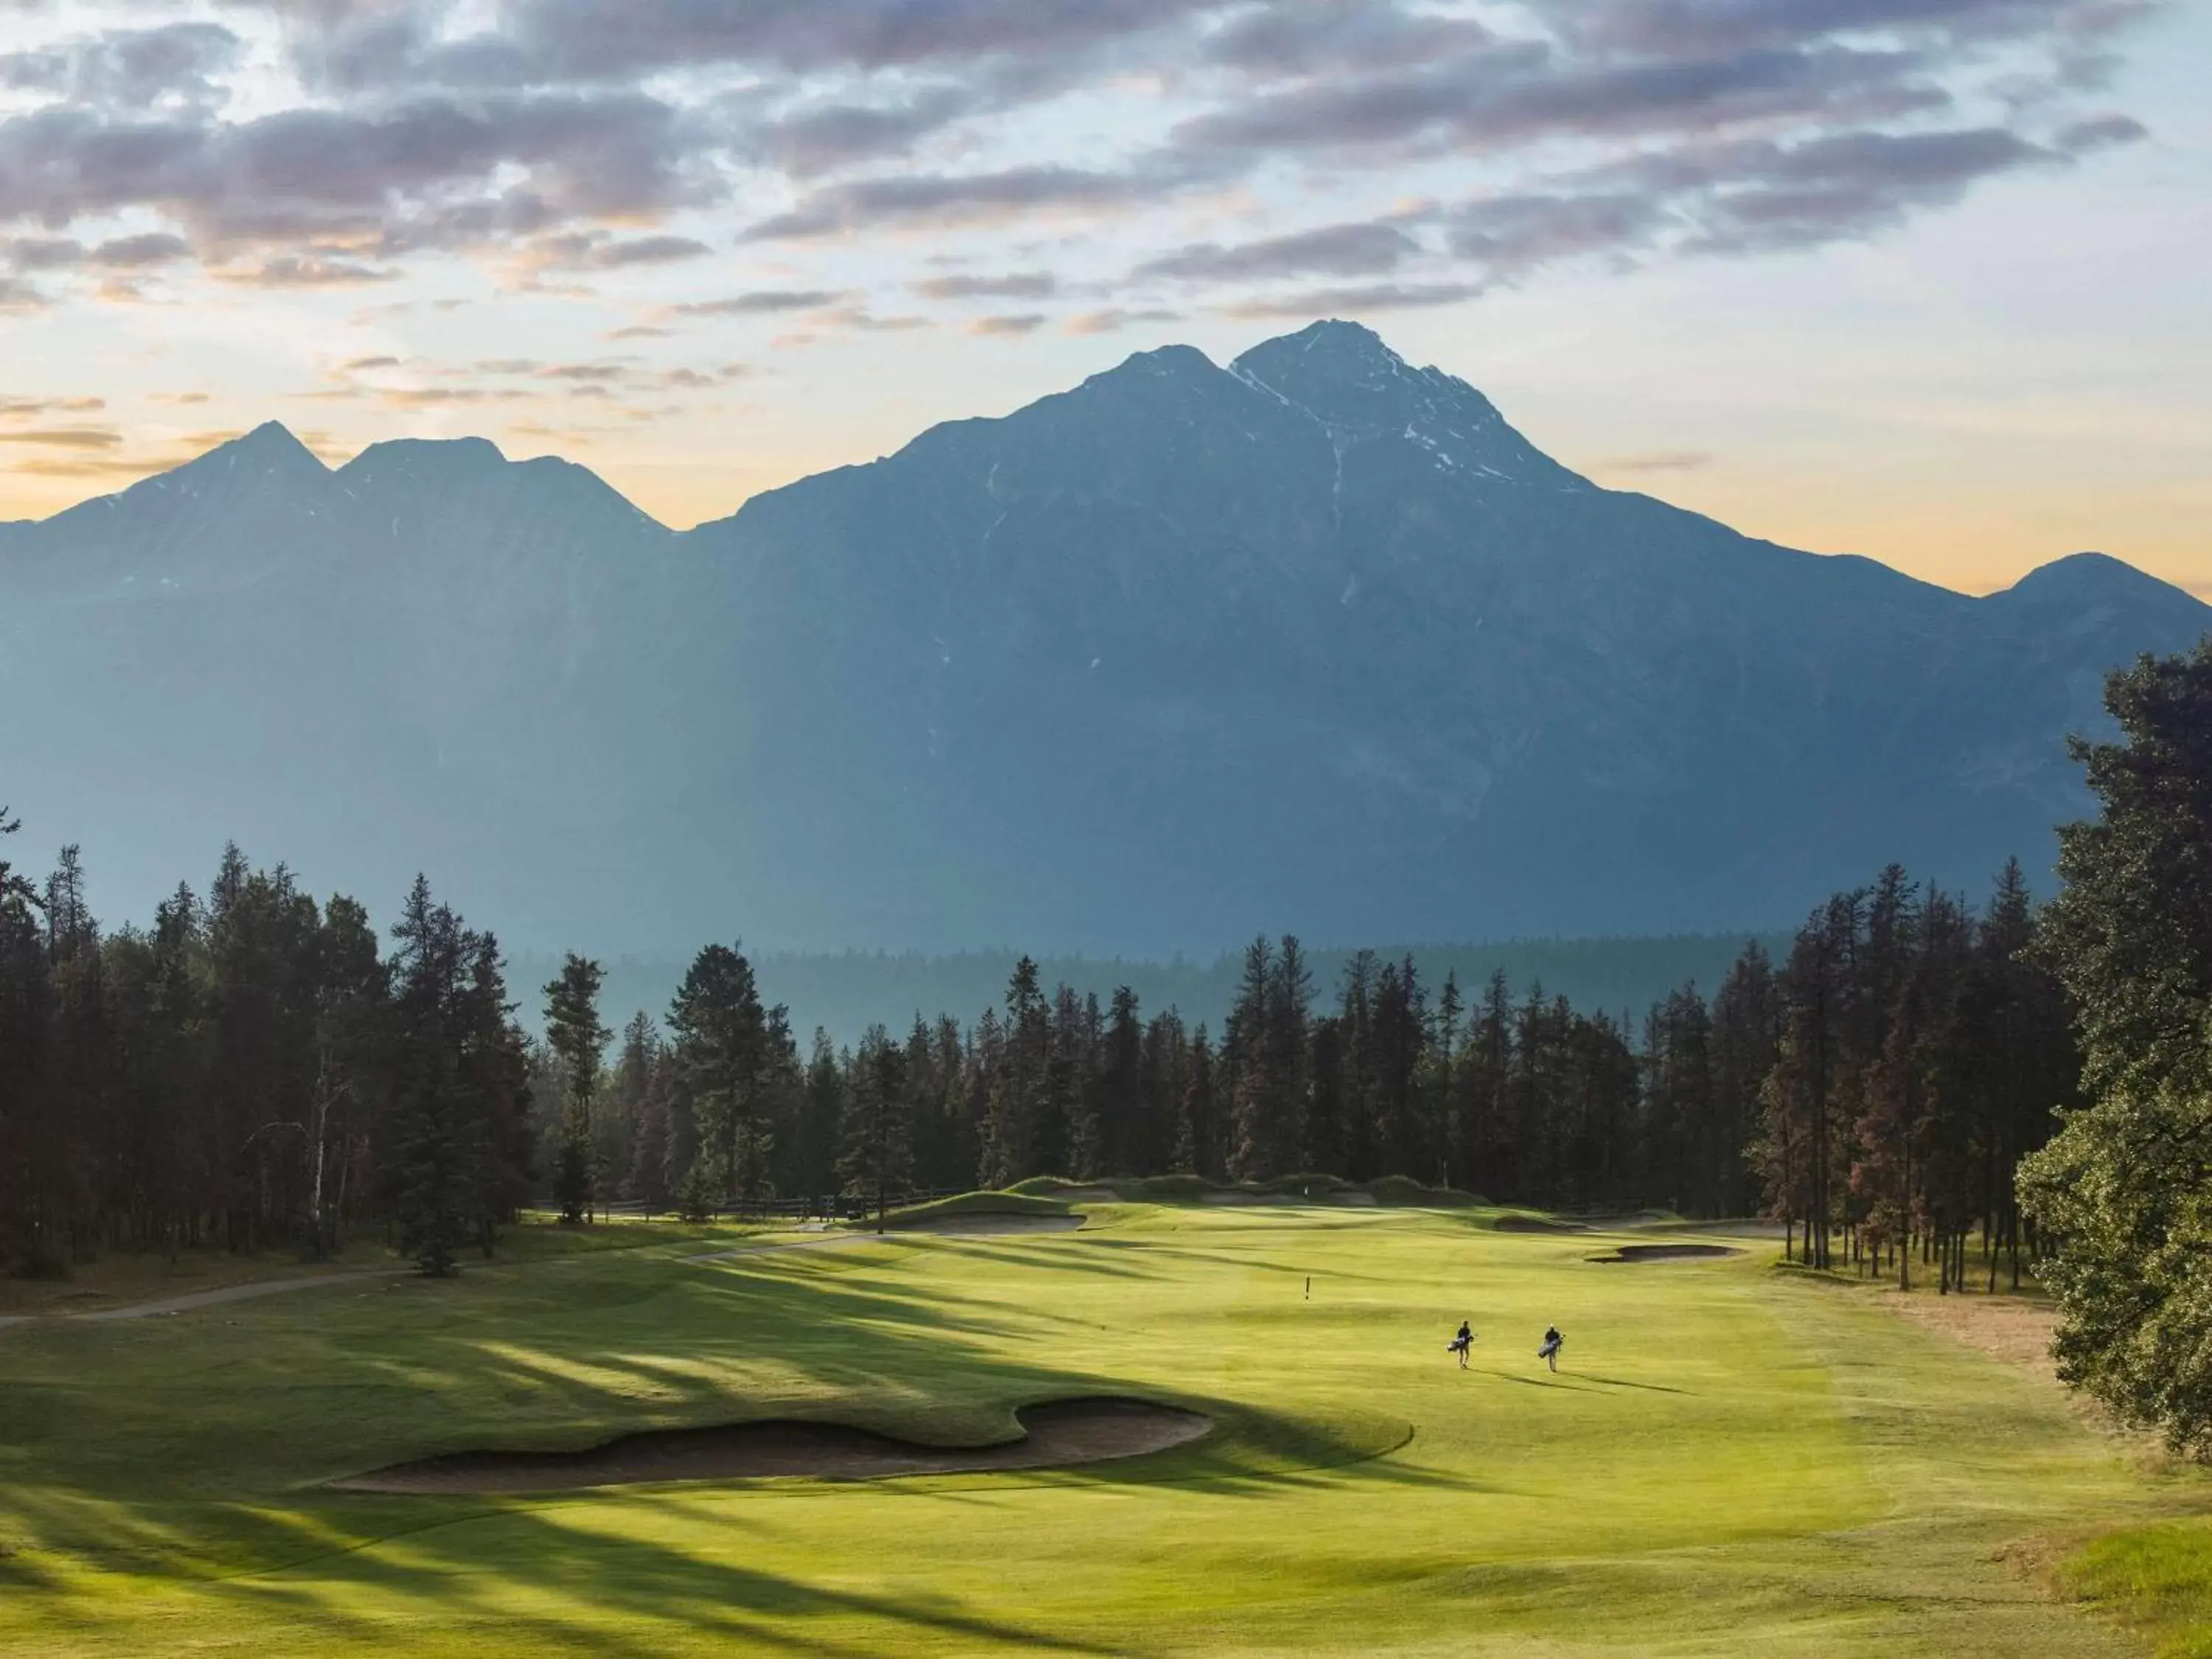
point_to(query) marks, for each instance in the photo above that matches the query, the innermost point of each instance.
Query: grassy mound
(1403, 1190)
(974, 1204)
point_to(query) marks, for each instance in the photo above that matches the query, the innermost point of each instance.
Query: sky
(1920, 279)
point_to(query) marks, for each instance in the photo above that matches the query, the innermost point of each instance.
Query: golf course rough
(1731, 1460)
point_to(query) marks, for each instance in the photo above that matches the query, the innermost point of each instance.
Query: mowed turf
(1734, 1460)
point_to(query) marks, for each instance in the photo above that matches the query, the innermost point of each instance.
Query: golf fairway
(1732, 1460)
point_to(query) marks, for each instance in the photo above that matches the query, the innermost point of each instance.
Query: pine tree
(722, 1055)
(495, 1075)
(1129, 1137)
(1016, 1105)
(878, 1152)
(1198, 1138)
(575, 1033)
(28, 1237)
(439, 1143)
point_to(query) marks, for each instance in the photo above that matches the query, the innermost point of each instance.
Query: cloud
(1354, 301)
(1001, 327)
(955, 198)
(596, 249)
(600, 136)
(129, 70)
(424, 174)
(862, 321)
(1512, 233)
(1352, 250)
(591, 374)
(1334, 38)
(20, 408)
(1764, 197)
(54, 466)
(826, 138)
(141, 252)
(305, 270)
(1680, 28)
(1019, 285)
(2102, 132)
(1664, 461)
(65, 437)
(364, 365)
(584, 41)
(43, 253)
(763, 303)
(1113, 320)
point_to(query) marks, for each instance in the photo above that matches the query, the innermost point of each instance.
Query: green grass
(1734, 1461)
(2158, 1579)
(975, 1204)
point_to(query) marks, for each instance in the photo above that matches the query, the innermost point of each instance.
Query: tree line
(256, 1069)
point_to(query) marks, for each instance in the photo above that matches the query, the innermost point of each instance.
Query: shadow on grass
(211, 1473)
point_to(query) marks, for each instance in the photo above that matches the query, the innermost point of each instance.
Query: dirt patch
(2010, 1327)
(1055, 1435)
(1669, 1253)
(986, 1223)
(1534, 1224)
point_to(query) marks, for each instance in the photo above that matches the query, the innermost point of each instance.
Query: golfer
(1460, 1344)
(1549, 1353)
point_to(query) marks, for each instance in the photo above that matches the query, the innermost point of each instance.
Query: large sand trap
(1669, 1253)
(1057, 1434)
(1089, 1195)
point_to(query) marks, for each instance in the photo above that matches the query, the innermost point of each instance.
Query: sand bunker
(985, 1222)
(1055, 1435)
(1535, 1223)
(1669, 1253)
(1237, 1199)
(1089, 1195)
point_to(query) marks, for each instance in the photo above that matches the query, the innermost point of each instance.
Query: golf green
(1732, 1460)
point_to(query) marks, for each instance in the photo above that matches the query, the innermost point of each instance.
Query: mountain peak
(1168, 362)
(1346, 377)
(446, 454)
(270, 444)
(2086, 579)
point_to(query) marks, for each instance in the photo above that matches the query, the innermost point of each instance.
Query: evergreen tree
(877, 1163)
(575, 1033)
(1199, 1139)
(1017, 1102)
(1128, 1128)
(440, 1144)
(722, 1055)
(820, 1140)
(2121, 1188)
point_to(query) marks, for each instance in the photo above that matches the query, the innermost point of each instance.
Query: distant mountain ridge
(1313, 641)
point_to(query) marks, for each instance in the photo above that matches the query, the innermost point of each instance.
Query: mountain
(1317, 640)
